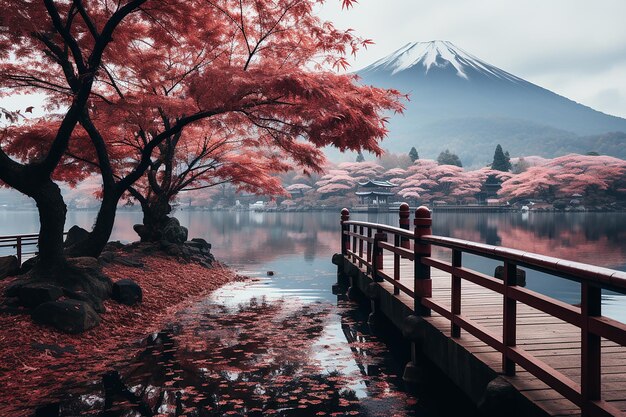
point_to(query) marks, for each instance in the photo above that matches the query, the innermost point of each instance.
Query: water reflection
(284, 357)
(594, 238)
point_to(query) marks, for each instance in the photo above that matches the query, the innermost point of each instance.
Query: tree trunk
(101, 232)
(155, 216)
(52, 211)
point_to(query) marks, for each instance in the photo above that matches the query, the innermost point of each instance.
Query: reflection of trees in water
(255, 361)
(595, 238)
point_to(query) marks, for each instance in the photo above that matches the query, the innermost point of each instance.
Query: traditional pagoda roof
(375, 183)
(366, 193)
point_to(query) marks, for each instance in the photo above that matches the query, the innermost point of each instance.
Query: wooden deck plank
(545, 337)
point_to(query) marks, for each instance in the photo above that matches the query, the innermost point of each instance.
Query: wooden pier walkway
(567, 360)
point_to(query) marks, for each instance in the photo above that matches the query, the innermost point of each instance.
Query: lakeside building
(374, 195)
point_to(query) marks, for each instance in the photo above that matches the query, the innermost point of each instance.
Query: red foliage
(30, 374)
(245, 65)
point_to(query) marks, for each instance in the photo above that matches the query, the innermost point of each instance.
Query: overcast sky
(576, 48)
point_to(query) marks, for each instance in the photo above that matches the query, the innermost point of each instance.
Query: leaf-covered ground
(256, 356)
(38, 364)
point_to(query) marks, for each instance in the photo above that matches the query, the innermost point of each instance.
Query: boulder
(8, 266)
(127, 291)
(174, 232)
(200, 244)
(95, 302)
(113, 246)
(27, 265)
(174, 250)
(33, 294)
(85, 274)
(70, 316)
(106, 258)
(75, 235)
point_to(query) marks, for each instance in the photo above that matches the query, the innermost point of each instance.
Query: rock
(521, 275)
(113, 246)
(31, 295)
(148, 247)
(13, 289)
(86, 297)
(174, 250)
(85, 274)
(27, 265)
(174, 232)
(106, 258)
(199, 243)
(127, 291)
(75, 235)
(165, 244)
(8, 266)
(70, 316)
(126, 261)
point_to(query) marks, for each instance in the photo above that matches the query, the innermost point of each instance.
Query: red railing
(365, 243)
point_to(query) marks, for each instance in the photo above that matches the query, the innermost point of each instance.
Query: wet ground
(255, 349)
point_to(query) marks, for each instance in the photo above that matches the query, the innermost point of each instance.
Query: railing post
(354, 240)
(360, 247)
(369, 250)
(345, 239)
(421, 272)
(590, 347)
(396, 263)
(456, 291)
(404, 223)
(377, 255)
(19, 250)
(509, 325)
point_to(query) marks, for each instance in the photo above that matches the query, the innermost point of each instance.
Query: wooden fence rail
(366, 243)
(25, 245)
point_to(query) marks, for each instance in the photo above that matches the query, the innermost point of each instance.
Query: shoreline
(39, 363)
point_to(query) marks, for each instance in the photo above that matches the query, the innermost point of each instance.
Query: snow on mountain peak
(438, 54)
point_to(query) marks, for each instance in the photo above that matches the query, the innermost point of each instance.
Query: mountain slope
(455, 95)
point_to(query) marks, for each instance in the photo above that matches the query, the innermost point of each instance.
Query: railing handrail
(23, 236)
(381, 226)
(606, 278)
(363, 243)
(19, 241)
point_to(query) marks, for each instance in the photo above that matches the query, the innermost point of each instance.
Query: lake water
(267, 346)
(302, 243)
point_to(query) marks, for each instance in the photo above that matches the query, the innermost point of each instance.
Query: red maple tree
(140, 74)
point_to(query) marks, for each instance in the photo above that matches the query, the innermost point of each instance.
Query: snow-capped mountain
(439, 55)
(468, 105)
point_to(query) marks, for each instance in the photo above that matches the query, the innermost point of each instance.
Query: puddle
(251, 349)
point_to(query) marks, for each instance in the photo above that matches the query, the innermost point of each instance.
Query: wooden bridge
(563, 359)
